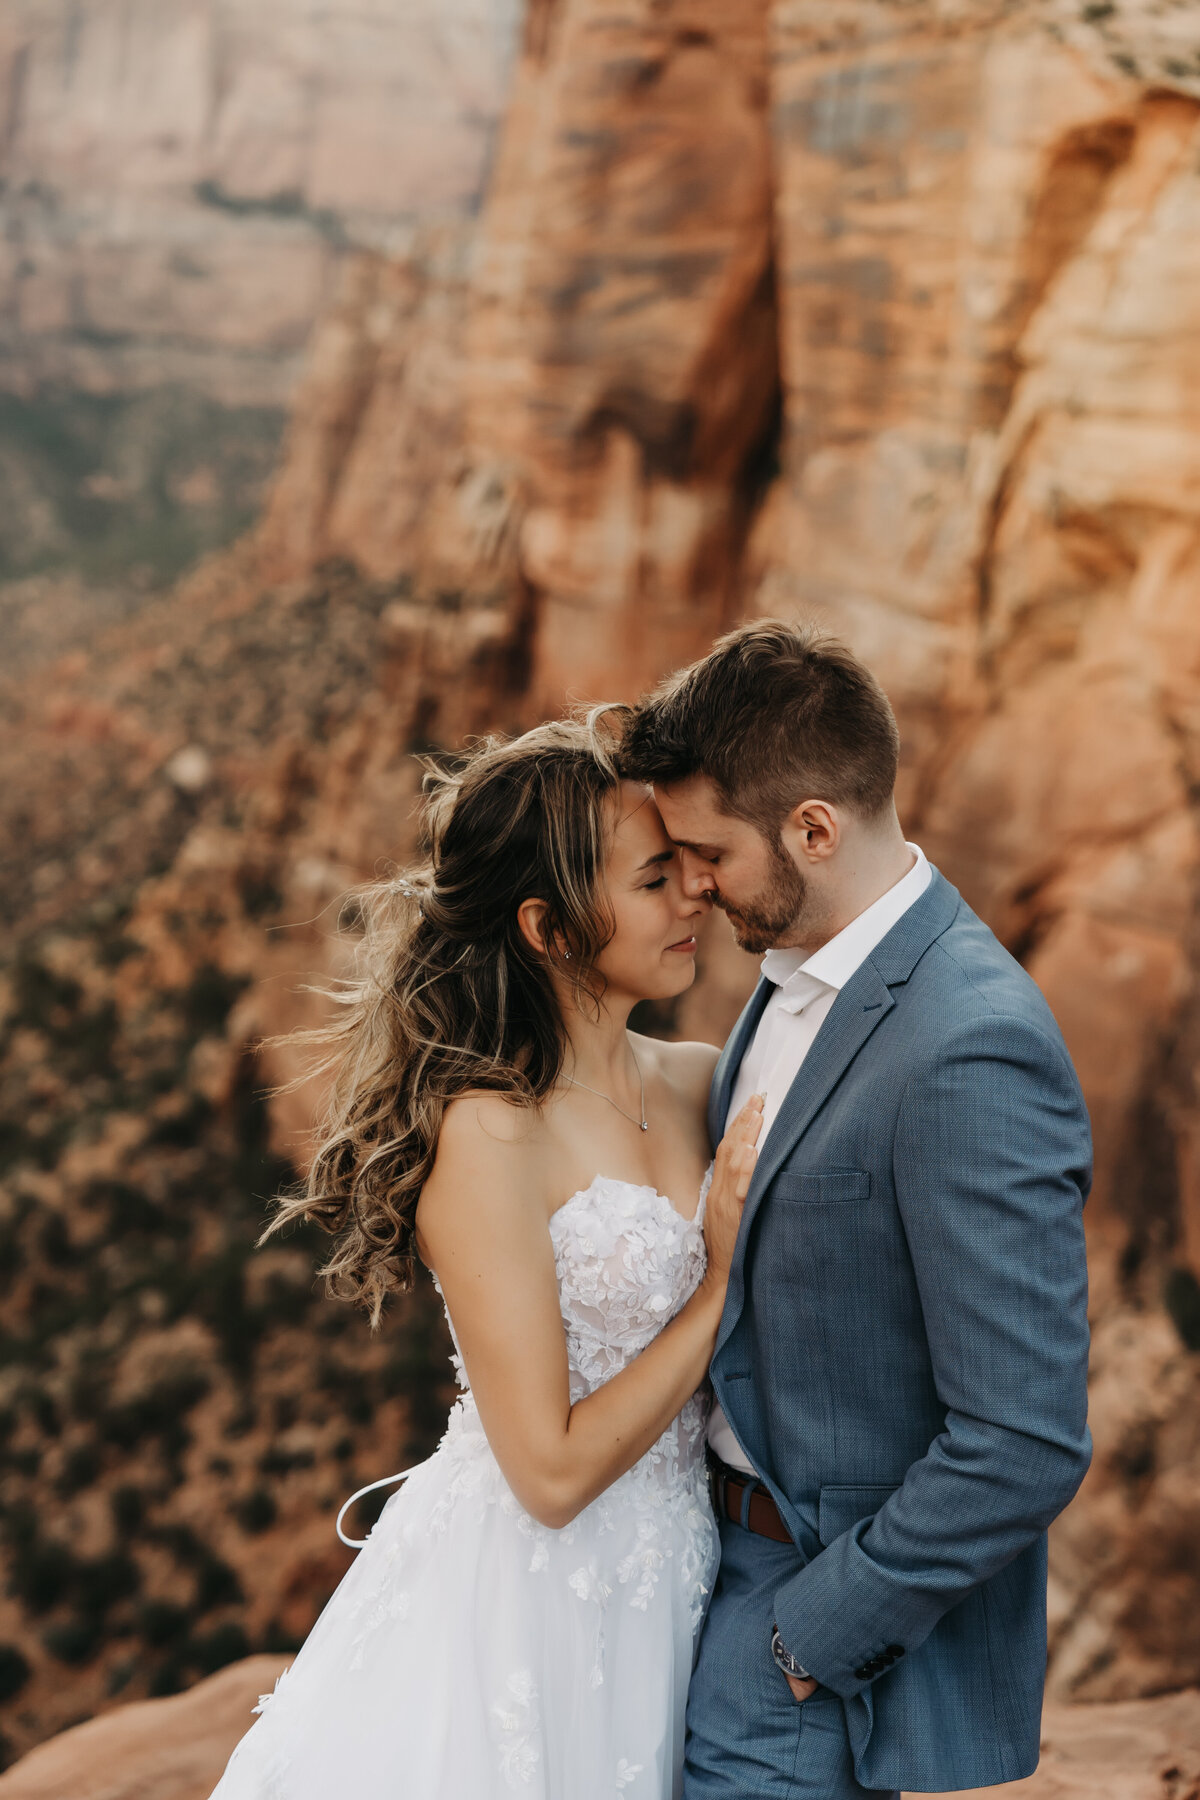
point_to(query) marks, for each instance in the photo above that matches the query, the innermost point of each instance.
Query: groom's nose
(698, 878)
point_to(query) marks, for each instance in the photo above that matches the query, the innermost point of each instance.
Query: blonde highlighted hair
(446, 995)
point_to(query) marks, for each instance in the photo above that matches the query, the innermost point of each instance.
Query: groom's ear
(812, 831)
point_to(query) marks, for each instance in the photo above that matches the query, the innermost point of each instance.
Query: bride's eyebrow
(660, 856)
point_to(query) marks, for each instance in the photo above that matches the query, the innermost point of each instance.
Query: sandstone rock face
(180, 182)
(1133, 1750)
(180, 178)
(171, 1749)
(613, 368)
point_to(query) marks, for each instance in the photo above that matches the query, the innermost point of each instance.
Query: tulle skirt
(470, 1652)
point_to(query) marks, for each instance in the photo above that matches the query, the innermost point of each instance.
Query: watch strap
(784, 1658)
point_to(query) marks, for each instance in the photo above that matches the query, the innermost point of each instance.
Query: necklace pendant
(645, 1126)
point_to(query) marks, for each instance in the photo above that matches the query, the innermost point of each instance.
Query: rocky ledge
(175, 1749)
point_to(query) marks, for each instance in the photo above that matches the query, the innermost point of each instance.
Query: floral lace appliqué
(516, 1722)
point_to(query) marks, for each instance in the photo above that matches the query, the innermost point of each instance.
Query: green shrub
(130, 1210)
(170, 1677)
(56, 1245)
(224, 1644)
(80, 1468)
(120, 1676)
(73, 1642)
(182, 1543)
(128, 1507)
(256, 1511)
(161, 1622)
(278, 1642)
(1181, 1296)
(45, 1412)
(40, 1575)
(275, 1460)
(223, 1306)
(14, 1672)
(157, 1413)
(206, 1000)
(216, 1585)
(102, 1581)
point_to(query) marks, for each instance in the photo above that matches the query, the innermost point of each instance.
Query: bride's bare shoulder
(481, 1116)
(688, 1066)
(486, 1181)
(487, 1144)
(484, 1194)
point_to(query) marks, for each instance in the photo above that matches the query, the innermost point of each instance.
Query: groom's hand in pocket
(800, 1689)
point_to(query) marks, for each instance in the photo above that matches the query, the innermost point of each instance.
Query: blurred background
(372, 375)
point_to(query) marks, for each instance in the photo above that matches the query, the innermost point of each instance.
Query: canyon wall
(180, 181)
(870, 311)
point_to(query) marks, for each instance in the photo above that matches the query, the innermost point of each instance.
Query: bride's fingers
(743, 1131)
(744, 1171)
(749, 1121)
(738, 1171)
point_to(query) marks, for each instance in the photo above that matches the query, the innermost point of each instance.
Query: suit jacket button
(861, 1674)
(895, 1650)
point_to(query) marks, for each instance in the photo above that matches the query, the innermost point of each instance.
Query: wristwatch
(784, 1658)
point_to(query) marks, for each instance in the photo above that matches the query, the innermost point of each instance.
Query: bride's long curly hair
(446, 995)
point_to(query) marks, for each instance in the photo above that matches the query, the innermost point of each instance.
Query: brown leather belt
(728, 1488)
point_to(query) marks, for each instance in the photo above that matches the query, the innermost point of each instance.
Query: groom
(900, 1372)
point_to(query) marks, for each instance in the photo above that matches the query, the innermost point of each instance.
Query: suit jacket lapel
(862, 1003)
(736, 1045)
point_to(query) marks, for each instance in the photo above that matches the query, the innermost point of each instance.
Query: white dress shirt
(805, 990)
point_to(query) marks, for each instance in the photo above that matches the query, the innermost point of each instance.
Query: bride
(523, 1615)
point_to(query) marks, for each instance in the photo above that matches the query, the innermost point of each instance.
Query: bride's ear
(531, 919)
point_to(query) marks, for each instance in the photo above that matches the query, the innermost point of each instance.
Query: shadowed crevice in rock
(1064, 209)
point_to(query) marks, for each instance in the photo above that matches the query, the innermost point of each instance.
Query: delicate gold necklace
(642, 1080)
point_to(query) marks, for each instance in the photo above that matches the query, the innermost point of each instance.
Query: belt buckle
(719, 1479)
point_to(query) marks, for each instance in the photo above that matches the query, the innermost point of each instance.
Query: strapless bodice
(626, 1260)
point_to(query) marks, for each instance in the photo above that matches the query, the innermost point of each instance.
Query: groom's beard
(761, 922)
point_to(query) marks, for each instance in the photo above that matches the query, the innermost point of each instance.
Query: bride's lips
(686, 944)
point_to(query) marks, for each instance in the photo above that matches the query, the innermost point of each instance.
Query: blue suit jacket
(903, 1351)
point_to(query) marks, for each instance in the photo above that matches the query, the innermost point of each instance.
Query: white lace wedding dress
(470, 1652)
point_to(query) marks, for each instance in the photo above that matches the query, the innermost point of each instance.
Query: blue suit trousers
(747, 1737)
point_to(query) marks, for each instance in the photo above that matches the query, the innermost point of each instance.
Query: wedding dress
(470, 1652)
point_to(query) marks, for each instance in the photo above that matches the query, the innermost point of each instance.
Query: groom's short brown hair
(774, 714)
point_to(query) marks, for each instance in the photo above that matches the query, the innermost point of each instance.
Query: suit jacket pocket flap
(822, 1185)
(842, 1507)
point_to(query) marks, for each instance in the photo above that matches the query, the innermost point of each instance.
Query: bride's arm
(482, 1227)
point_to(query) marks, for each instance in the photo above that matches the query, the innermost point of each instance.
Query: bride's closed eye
(648, 887)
